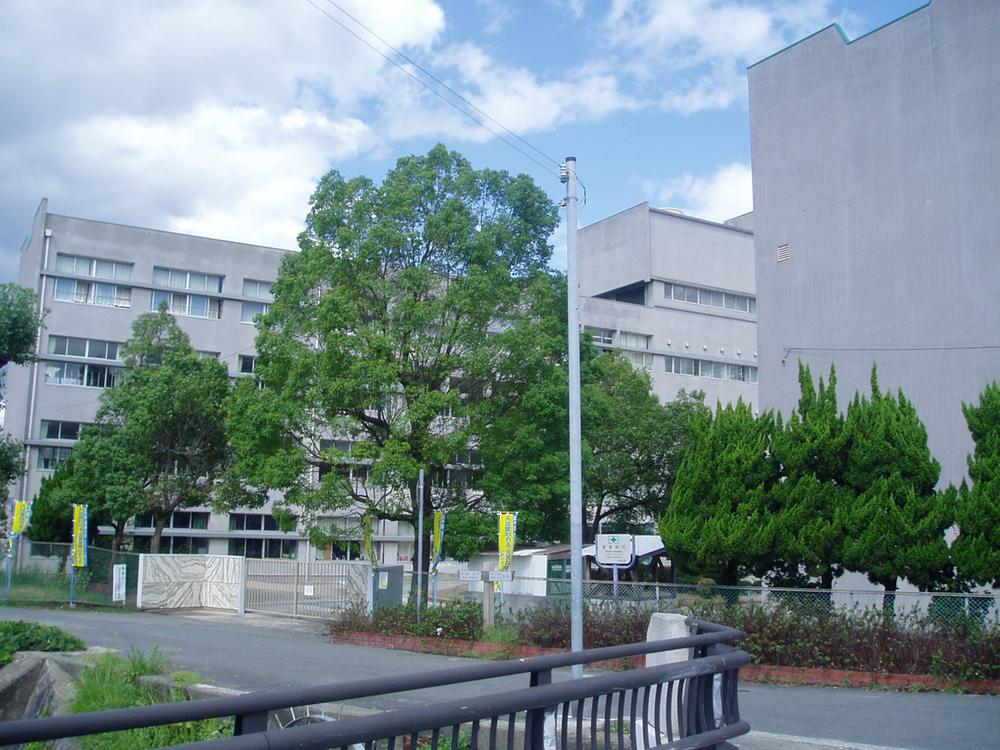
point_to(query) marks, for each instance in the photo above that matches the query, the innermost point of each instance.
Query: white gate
(320, 588)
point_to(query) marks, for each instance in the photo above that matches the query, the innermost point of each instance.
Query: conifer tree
(719, 520)
(812, 452)
(976, 551)
(894, 525)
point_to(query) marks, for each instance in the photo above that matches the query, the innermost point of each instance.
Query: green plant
(111, 682)
(20, 635)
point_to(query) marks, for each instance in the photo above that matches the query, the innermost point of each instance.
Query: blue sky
(218, 118)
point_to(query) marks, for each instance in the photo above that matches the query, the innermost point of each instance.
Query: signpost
(79, 548)
(118, 575)
(491, 580)
(615, 551)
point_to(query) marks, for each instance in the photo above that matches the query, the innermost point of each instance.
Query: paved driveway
(257, 653)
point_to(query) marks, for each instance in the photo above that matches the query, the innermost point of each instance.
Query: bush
(454, 619)
(604, 624)
(20, 635)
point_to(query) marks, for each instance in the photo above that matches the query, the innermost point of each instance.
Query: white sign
(118, 574)
(383, 580)
(614, 549)
(470, 575)
(505, 576)
(308, 590)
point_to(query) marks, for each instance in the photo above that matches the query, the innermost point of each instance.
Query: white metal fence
(321, 588)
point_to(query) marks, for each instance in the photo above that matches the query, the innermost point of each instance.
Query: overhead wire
(434, 91)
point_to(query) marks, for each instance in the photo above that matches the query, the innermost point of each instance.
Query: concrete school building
(876, 164)
(676, 295)
(672, 293)
(94, 279)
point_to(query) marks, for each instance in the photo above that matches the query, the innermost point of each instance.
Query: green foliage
(52, 511)
(976, 551)
(453, 619)
(894, 525)
(719, 518)
(21, 635)
(111, 682)
(379, 332)
(11, 463)
(159, 443)
(467, 533)
(812, 452)
(18, 321)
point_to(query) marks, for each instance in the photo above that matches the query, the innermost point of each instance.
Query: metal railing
(685, 704)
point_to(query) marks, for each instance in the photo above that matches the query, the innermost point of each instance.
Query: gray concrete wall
(877, 163)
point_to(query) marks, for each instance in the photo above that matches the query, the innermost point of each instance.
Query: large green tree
(894, 525)
(159, 442)
(812, 451)
(719, 520)
(378, 332)
(18, 329)
(976, 550)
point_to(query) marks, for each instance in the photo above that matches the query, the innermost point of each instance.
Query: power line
(434, 91)
(978, 347)
(437, 80)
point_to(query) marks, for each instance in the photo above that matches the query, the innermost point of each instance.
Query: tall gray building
(875, 166)
(675, 295)
(94, 279)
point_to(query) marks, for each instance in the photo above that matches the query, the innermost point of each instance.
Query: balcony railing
(689, 703)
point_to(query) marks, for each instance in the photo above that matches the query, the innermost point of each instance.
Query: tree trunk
(116, 543)
(730, 575)
(826, 580)
(154, 543)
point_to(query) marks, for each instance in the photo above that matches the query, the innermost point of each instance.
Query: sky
(218, 118)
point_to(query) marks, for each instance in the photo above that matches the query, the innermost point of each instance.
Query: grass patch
(111, 682)
(20, 635)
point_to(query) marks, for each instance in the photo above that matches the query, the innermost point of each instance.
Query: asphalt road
(258, 653)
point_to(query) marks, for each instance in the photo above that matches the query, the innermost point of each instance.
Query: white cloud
(497, 14)
(724, 194)
(697, 50)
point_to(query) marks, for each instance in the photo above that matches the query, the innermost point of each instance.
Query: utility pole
(567, 173)
(420, 540)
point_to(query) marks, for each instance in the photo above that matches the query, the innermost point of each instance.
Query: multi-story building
(676, 296)
(94, 279)
(875, 164)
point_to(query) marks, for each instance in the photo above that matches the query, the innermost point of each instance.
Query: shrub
(20, 635)
(454, 619)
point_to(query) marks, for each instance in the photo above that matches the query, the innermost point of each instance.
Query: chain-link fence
(40, 572)
(712, 602)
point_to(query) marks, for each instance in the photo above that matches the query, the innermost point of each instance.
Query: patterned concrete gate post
(241, 601)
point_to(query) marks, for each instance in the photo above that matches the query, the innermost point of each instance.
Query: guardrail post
(534, 723)
(295, 590)
(250, 723)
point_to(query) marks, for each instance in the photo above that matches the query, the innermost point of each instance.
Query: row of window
(71, 346)
(198, 545)
(708, 369)
(80, 265)
(189, 280)
(93, 293)
(711, 297)
(252, 522)
(190, 305)
(604, 337)
(49, 457)
(179, 519)
(80, 373)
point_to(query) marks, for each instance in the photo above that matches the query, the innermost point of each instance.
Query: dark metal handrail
(251, 710)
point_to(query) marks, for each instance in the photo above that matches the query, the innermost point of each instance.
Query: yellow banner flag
(438, 536)
(21, 510)
(79, 536)
(507, 537)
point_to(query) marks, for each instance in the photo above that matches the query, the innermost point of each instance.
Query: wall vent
(783, 253)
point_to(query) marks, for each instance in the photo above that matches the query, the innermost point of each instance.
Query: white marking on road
(838, 744)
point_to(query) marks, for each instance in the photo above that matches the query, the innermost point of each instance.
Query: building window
(257, 289)
(247, 363)
(179, 519)
(71, 346)
(190, 305)
(252, 522)
(184, 545)
(633, 340)
(208, 355)
(270, 548)
(78, 373)
(643, 360)
(97, 268)
(251, 310)
(55, 430)
(92, 293)
(708, 369)
(710, 297)
(189, 280)
(601, 336)
(50, 457)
